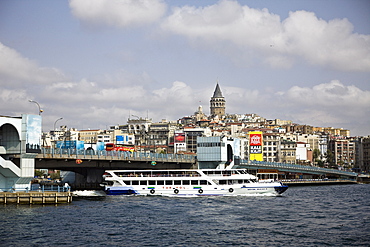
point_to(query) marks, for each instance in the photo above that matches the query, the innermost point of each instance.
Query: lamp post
(56, 122)
(54, 128)
(40, 110)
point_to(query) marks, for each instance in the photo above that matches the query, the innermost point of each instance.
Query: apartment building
(89, 136)
(362, 160)
(191, 134)
(344, 152)
(288, 151)
(271, 147)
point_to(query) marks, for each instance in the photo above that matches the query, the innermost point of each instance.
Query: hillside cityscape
(283, 140)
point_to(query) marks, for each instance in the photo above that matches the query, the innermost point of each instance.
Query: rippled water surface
(303, 216)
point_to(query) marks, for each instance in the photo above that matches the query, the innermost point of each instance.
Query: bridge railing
(277, 165)
(114, 155)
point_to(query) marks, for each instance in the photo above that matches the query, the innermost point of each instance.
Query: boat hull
(271, 189)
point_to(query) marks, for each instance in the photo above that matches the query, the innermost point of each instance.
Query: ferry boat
(202, 182)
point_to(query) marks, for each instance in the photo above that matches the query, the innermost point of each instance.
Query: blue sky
(96, 62)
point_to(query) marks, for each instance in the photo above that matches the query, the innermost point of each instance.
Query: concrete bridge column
(27, 165)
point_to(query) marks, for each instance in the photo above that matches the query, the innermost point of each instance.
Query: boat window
(151, 182)
(203, 182)
(168, 182)
(128, 182)
(246, 181)
(134, 182)
(160, 182)
(222, 182)
(177, 182)
(226, 173)
(143, 182)
(185, 182)
(240, 181)
(194, 182)
(191, 174)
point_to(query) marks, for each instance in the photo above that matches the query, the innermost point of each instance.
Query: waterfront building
(217, 103)
(344, 152)
(303, 153)
(288, 151)
(191, 134)
(312, 140)
(139, 127)
(271, 147)
(323, 146)
(217, 152)
(362, 160)
(335, 131)
(117, 136)
(89, 136)
(105, 137)
(161, 135)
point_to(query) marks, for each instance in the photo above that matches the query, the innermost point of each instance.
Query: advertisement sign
(79, 145)
(119, 139)
(255, 145)
(179, 137)
(255, 138)
(33, 134)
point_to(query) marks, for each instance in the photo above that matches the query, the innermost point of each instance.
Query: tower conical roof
(217, 93)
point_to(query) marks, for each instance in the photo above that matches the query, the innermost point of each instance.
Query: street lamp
(54, 129)
(56, 122)
(40, 110)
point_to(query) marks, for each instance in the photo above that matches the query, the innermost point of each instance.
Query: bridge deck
(114, 155)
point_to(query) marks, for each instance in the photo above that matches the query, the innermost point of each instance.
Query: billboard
(120, 140)
(70, 145)
(255, 145)
(33, 133)
(179, 137)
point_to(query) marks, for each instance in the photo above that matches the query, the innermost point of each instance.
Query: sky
(97, 63)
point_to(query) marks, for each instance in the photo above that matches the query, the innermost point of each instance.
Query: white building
(217, 152)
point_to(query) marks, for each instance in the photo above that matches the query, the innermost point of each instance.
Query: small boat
(88, 193)
(201, 182)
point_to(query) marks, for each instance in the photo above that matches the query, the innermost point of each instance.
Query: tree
(38, 173)
(316, 154)
(330, 159)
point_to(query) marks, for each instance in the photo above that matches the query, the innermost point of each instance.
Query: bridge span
(89, 165)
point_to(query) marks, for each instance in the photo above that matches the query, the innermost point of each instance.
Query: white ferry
(204, 182)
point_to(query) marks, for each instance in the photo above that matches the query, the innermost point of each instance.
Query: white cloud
(111, 99)
(330, 43)
(328, 104)
(330, 95)
(18, 70)
(118, 13)
(261, 33)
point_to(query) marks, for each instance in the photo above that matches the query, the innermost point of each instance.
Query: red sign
(179, 137)
(255, 140)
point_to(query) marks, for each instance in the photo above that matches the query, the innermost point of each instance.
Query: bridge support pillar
(27, 163)
(88, 178)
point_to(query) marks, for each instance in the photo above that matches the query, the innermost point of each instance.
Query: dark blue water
(304, 216)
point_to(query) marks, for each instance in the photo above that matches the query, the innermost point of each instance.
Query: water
(303, 216)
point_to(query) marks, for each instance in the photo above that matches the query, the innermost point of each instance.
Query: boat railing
(157, 175)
